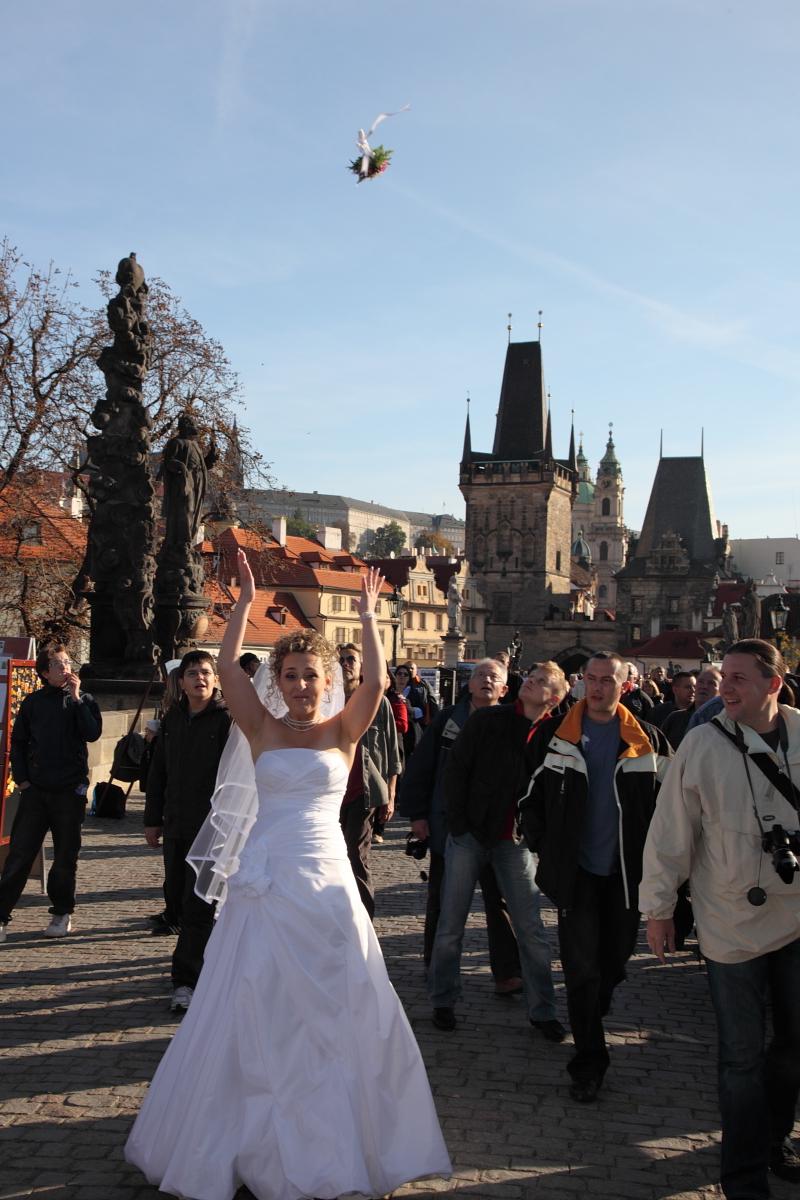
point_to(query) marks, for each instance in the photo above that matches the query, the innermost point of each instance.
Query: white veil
(214, 853)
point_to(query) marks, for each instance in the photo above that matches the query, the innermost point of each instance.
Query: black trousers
(356, 823)
(195, 916)
(597, 937)
(503, 949)
(61, 813)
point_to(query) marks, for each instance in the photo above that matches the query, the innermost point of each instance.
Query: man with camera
(727, 820)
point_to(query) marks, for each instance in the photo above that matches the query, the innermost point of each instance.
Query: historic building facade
(519, 507)
(598, 515)
(681, 554)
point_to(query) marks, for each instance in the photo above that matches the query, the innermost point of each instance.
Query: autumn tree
(429, 538)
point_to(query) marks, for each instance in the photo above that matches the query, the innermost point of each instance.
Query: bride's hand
(370, 590)
(247, 584)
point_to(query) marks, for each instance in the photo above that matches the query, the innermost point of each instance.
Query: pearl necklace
(300, 726)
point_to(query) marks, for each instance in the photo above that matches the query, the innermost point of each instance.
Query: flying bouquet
(373, 162)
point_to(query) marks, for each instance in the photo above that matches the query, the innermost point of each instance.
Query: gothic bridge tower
(519, 506)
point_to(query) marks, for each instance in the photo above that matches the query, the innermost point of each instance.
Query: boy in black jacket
(180, 783)
(49, 763)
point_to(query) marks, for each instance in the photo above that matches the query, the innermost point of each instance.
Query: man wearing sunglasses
(371, 785)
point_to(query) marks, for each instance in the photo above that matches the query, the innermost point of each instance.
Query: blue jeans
(758, 1086)
(465, 858)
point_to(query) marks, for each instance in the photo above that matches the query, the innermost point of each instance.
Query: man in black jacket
(180, 783)
(484, 778)
(595, 778)
(49, 764)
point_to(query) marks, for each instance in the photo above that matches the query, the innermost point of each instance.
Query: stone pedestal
(454, 643)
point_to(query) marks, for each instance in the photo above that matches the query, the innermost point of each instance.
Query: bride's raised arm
(360, 710)
(247, 710)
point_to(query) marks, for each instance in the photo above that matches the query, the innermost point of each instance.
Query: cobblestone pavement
(84, 1021)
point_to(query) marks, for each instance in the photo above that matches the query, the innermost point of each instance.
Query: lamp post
(778, 615)
(395, 613)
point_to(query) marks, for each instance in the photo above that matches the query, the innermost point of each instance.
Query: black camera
(784, 848)
(416, 847)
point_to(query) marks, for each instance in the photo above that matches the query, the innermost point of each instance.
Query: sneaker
(181, 999)
(784, 1161)
(377, 839)
(444, 1018)
(585, 1090)
(59, 926)
(553, 1030)
(3, 931)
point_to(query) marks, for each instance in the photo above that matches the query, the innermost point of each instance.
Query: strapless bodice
(299, 796)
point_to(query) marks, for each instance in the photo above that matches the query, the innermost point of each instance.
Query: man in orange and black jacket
(595, 775)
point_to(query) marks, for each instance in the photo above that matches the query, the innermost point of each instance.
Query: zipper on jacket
(621, 842)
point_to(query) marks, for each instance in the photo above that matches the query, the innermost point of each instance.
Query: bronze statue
(184, 470)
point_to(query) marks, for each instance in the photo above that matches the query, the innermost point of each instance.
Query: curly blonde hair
(306, 641)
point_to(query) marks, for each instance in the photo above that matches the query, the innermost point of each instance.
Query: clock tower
(605, 532)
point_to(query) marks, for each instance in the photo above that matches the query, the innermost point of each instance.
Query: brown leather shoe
(508, 987)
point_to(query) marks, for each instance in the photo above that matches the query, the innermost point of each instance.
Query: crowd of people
(674, 796)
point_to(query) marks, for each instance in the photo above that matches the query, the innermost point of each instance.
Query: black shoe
(553, 1030)
(585, 1090)
(784, 1161)
(444, 1018)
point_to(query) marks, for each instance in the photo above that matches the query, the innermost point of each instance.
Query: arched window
(604, 552)
(606, 507)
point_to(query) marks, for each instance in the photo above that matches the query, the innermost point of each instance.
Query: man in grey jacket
(372, 781)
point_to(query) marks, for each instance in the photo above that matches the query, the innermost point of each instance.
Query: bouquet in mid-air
(373, 161)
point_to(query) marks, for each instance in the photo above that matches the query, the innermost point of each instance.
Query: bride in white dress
(295, 1071)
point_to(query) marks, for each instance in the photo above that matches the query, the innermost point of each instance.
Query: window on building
(355, 636)
(423, 620)
(31, 533)
(778, 558)
(673, 604)
(353, 604)
(606, 507)
(337, 603)
(439, 621)
(470, 624)
(637, 605)
(604, 552)
(378, 607)
(340, 635)
(636, 633)
(602, 591)
(409, 620)
(558, 560)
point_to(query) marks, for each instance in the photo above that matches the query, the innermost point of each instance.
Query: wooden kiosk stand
(18, 679)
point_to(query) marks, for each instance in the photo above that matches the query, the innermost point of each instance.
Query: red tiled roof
(290, 565)
(272, 615)
(673, 643)
(62, 536)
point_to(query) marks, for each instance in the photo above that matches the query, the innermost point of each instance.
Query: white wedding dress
(295, 1070)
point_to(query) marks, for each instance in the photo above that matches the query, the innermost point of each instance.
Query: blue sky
(630, 167)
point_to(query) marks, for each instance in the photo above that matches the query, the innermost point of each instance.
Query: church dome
(580, 550)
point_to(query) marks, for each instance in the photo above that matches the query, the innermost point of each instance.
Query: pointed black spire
(466, 453)
(573, 460)
(548, 440)
(522, 414)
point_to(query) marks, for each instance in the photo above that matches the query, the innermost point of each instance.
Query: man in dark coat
(49, 764)
(421, 800)
(180, 783)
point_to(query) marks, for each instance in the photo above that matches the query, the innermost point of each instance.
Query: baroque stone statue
(117, 574)
(454, 606)
(180, 603)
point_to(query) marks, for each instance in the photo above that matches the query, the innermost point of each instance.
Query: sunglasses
(348, 658)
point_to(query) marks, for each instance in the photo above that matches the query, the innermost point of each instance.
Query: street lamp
(395, 613)
(778, 615)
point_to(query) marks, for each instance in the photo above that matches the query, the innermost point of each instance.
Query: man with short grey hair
(595, 777)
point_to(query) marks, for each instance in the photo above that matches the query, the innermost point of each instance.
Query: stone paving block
(85, 1021)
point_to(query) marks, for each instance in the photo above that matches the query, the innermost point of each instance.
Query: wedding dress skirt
(295, 1070)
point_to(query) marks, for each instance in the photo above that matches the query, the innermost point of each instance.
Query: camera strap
(765, 764)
